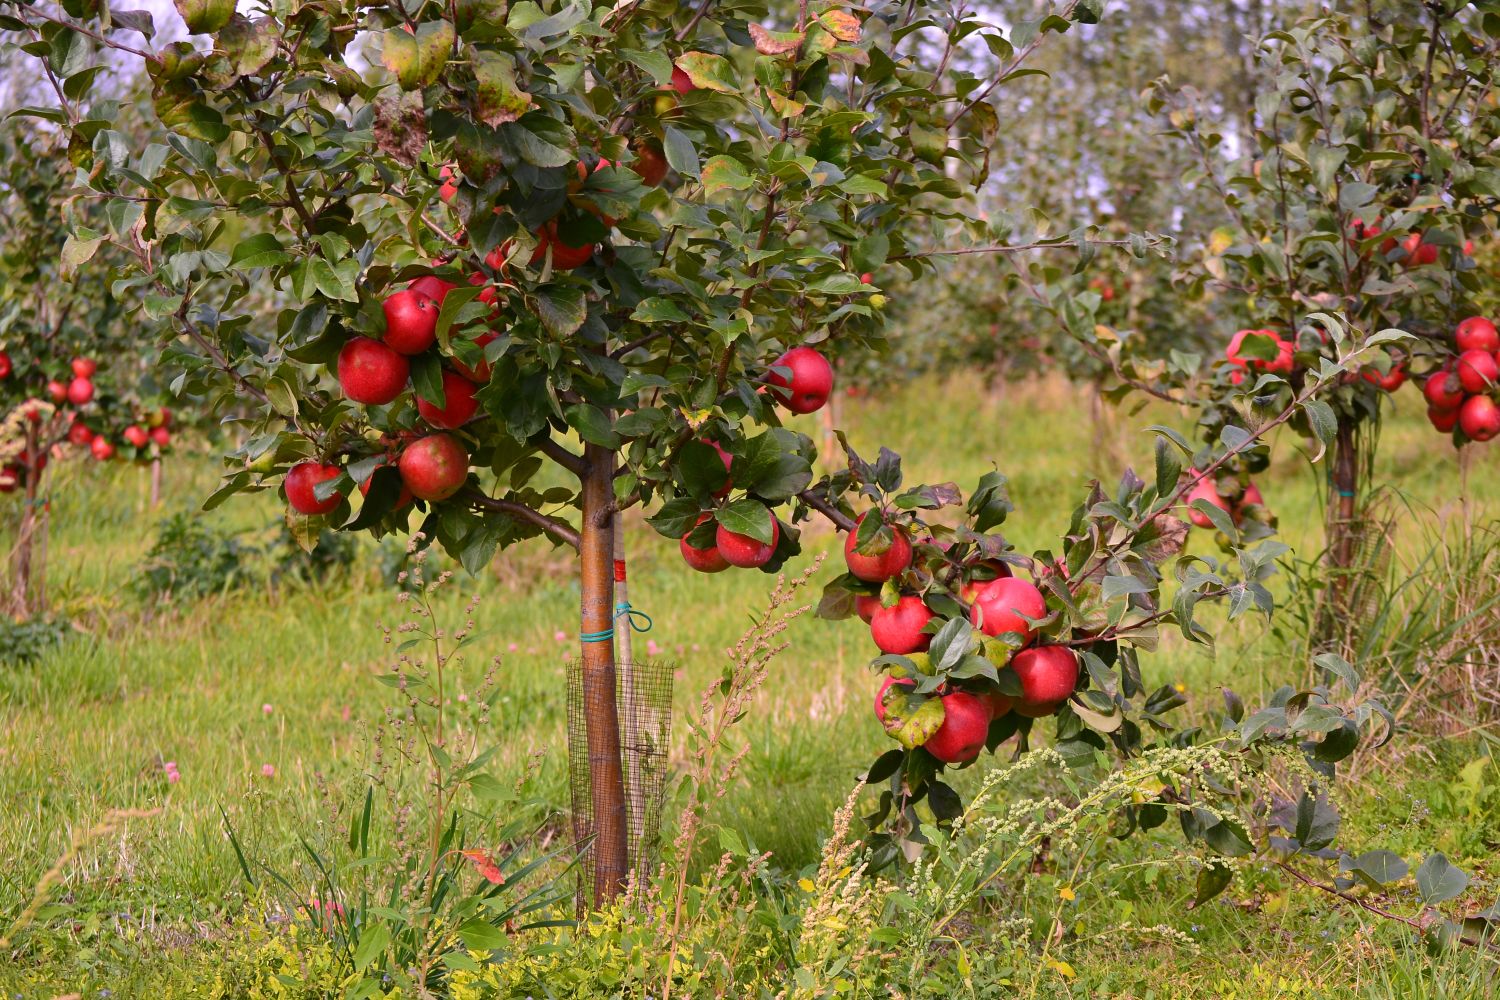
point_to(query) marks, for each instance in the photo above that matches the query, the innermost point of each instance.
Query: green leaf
(453, 304)
(561, 308)
(681, 156)
(249, 44)
(1168, 468)
(1377, 868)
(540, 140)
(723, 173)
(1324, 423)
(592, 425)
(910, 720)
(747, 517)
(372, 943)
(657, 64)
(499, 98)
(260, 250)
(1213, 878)
(78, 248)
(281, 397)
(657, 309)
(1439, 881)
(481, 935)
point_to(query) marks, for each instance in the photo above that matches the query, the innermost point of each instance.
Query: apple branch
(96, 36)
(1020, 57)
(558, 529)
(570, 460)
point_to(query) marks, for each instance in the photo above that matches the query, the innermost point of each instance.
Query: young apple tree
(1371, 171)
(644, 227)
(67, 352)
(490, 231)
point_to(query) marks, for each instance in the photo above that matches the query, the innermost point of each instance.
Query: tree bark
(155, 483)
(1341, 530)
(610, 850)
(21, 554)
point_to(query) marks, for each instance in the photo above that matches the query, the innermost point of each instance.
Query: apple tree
(68, 350)
(1371, 172)
(532, 266)
(491, 231)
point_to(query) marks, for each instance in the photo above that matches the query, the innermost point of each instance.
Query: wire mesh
(643, 693)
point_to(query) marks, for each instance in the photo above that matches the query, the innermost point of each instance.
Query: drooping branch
(1009, 248)
(1004, 73)
(558, 529)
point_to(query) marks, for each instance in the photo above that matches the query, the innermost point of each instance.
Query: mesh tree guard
(644, 695)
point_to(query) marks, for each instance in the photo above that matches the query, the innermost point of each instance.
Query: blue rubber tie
(633, 617)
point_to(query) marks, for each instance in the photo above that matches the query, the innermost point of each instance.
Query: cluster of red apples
(69, 394)
(1462, 393)
(999, 604)
(801, 380)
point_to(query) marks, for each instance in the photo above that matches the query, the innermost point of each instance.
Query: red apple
(1477, 334)
(565, 257)
(10, 478)
(708, 560)
(102, 449)
(58, 391)
(885, 686)
(681, 82)
(966, 724)
(649, 163)
(434, 467)
(32, 411)
(1477, 371)
(480, 372)
(898, 628)
(410, 321)
(1252, 495)
(1048, 675)
(161, 436)
(459, 404)
(865, 605)
(80, 435)
(136, 436)
(1479, 418)
(867, 278)
(300, 482)
(432, 286)
(744, 551)
(877, 568)
(1418, 253)
(372, 372)
(1443, 391)
(5, 368)
(1000, 604)
(85, 367)
(1390, 381)
(80, 391)
(810, 382)
(999, 704)
(449, 187)
(1443, 420)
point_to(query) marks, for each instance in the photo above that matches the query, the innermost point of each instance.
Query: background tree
(1371, 175)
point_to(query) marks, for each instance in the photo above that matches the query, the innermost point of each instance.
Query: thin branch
(687, 29)
(1011, 248)
(569, 460)
(828, 510)
(1006, 71)
(148, 56)
(558, 529)
(1347, 897)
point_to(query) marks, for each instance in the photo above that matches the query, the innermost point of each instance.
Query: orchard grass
(278, 679)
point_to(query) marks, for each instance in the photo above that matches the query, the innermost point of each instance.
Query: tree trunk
(1341, 529)
(155, 483)
(21, 561)
(609, 851)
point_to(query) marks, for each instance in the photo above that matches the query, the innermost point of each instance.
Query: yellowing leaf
(806, 884)
(708, 71)
(1062, 968)
(775, 43)
(841, 25)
